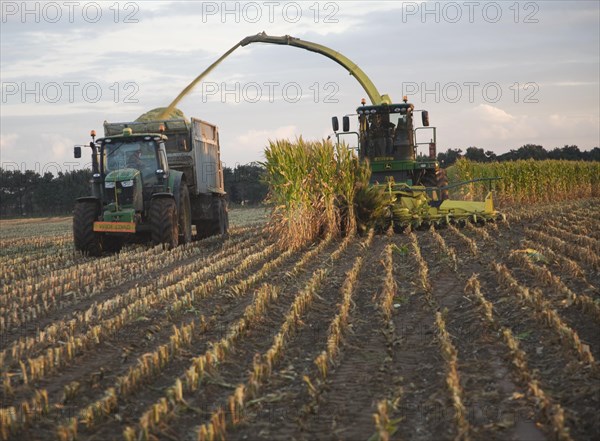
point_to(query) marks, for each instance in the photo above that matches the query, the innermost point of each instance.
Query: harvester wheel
(185, 215)
(437, 179)
(86, 240)
(163, 221)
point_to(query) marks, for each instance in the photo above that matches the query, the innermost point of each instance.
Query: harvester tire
(185, 215)
(437, 179)
(86, 239)
(164, 222)
(442, 179)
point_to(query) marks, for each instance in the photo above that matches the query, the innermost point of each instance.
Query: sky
(496, 75)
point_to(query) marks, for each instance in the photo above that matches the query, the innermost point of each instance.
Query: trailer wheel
(86, 239)
(202, 230)
(223, 218)
(185, 215)
(164, 222)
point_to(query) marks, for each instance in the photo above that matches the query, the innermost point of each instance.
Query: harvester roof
(385, 108)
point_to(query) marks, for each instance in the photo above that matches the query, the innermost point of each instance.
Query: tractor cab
(134, 167)
(128, 170)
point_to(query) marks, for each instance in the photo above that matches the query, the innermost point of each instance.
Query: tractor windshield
(138, 154)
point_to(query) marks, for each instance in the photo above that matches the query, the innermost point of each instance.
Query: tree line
(30, 194)
(27, 193)
(528, 151)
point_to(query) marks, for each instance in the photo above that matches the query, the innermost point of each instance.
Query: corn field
(478, 333)
(530, 181)
(313, 189)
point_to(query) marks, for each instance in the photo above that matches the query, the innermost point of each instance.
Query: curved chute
(346, 63)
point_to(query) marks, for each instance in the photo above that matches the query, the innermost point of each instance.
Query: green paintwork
(171, 181)
(383, 166)
(124, 215)
(124, 174)
(345, 62)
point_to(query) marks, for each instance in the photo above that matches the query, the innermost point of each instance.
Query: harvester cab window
(401, 134)
(380, 135)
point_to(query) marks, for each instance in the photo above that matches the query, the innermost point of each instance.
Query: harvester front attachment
(420, 206)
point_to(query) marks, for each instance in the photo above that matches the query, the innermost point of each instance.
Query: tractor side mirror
(346, 123)
(335, 124)
(77, 152)
(425, 118)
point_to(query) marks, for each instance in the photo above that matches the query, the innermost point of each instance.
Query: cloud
(58, 144)
(250, 145)
(8, 141)
(557, 54)
(493, 115)
(259, 137)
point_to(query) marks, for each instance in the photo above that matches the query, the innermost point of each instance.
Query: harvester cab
(417, 186)
(387, 138)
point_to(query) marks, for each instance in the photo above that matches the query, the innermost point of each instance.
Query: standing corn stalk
(313, 185)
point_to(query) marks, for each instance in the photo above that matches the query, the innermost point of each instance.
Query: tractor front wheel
(164, 222)
(86, 239)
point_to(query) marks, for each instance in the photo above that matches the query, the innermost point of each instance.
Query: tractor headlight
(109, 185)
(125, 184)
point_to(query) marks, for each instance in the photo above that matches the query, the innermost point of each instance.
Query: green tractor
(134, 193)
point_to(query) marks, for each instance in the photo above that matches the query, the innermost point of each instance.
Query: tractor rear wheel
(86, 239)
(185, 215)
(164, 222)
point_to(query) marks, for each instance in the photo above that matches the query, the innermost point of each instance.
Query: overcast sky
(495, 75)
